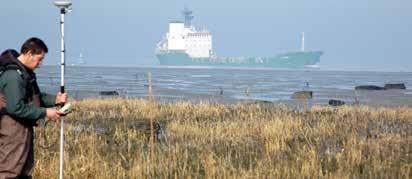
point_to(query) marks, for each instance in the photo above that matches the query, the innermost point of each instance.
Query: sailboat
(81, 60)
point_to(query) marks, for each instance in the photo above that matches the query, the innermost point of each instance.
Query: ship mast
(188, 17)
(302, 46)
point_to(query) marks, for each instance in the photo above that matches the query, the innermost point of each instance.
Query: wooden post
(151, 116)
(150, 85)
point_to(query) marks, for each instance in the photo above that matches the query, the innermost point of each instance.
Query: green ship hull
(286, 60)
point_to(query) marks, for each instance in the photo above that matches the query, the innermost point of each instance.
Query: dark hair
(34, 45)
(10, 54)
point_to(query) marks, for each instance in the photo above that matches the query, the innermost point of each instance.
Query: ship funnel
(302, 45)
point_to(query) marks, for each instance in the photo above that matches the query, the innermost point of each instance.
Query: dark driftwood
(395, 86)
(369, 87)
(109, 93)
(388, 86)
(302, 95)
(336, 102)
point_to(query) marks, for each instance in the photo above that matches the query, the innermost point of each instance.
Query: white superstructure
(185, 38)
(176, 36)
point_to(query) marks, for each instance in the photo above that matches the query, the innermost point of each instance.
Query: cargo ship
(184, 45)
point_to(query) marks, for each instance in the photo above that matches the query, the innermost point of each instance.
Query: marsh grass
(208, 140)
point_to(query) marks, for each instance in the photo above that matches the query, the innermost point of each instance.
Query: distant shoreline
(233, 68)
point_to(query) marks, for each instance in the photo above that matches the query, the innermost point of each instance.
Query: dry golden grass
(230, 141)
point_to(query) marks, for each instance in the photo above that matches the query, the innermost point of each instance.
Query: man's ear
(28, 53)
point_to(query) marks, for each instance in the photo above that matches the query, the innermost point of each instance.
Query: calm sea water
(228, 85)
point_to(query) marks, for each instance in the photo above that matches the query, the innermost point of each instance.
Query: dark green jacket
(19, 94)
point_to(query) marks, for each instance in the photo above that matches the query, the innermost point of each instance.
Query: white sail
(81, 60)
(302, 46)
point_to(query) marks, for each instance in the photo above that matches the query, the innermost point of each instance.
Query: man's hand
(61, 98)
(53, 114)
(2, 101)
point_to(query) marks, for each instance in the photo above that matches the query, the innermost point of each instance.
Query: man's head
(32, 53)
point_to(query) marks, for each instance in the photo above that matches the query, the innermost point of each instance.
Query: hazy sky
(354, 34)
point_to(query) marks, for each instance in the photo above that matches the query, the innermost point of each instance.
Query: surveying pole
(64, 6)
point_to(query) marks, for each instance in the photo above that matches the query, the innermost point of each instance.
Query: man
(25, 105)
